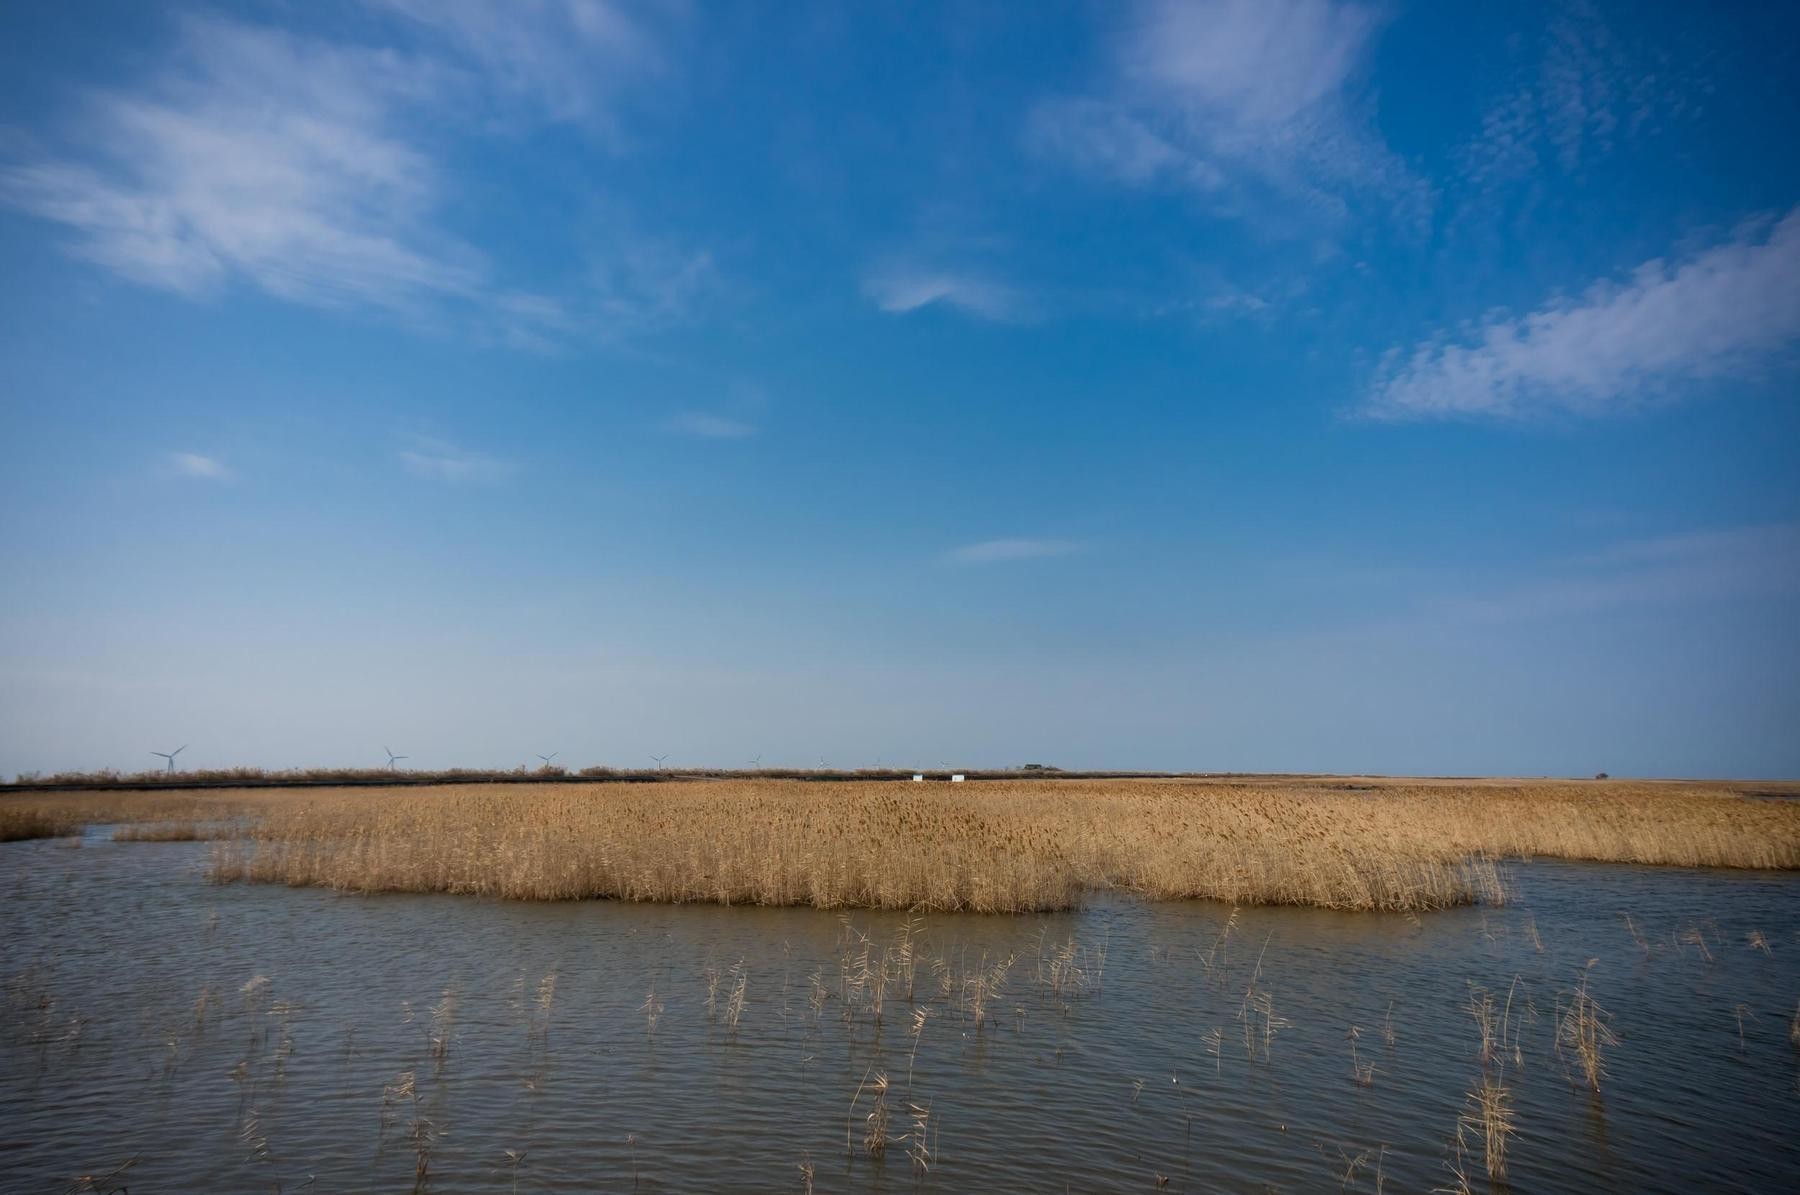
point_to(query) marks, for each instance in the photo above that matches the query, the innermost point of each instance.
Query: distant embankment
(383, 778)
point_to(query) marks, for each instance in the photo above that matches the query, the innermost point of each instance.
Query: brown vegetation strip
(56, 815)
(990, 847)
(993, 847)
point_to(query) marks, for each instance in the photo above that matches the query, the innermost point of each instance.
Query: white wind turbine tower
(393, 759)
(549, 757)
(659, 761)
(170, 755)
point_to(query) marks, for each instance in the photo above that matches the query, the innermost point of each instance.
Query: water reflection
(251, 1038)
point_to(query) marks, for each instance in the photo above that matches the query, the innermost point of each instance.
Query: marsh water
(261, 1038)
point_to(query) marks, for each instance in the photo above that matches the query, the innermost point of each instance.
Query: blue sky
(1268, 386)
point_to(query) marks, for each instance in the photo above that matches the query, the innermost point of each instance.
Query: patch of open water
(1174, 1049)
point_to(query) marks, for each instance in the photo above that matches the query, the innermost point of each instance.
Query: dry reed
(1208, 959)
(1488, 1112)
(1490, 1117)
(1693, 936)
(19, 823)
(1259, 1003)
(109, 1183)
(652, 1008)
(61, 814)
(919, 1138)
(875, 1121)
(1354, 1165)
(515, 1158)
(443, 1020)
(1001, 846)
(1584, 1030)
(917, 1031)
(734, 1003)
(1215, 1045)
(1362, 1072)
(538, 1024)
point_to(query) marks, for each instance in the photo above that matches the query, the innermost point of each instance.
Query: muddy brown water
(1163, 1049)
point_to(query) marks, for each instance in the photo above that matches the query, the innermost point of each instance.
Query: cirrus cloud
(1251, 103)
(708, 426)
(994, 551)
(901, 288)
(1727, 311)
(311, 166)
(440, 460)
(203, 468)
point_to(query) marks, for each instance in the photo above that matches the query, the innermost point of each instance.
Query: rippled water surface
(262, 1039)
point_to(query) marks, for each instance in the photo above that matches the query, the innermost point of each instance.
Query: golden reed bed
(1000, 846)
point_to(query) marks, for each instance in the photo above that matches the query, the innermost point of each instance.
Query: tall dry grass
(991, 847)
(54, 815)
(19, 823)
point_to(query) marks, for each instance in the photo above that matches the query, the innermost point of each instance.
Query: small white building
(956, 778)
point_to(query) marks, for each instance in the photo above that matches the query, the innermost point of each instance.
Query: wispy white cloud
(1650, 571)
(643, 281)
(193, 464)
(1232, 301)
(993, 551)
(1246, 101)
(1579, 92)
(901, 288)
(708, 426)
(1584, 79)
(737, 414)
(567, 58)
(1507, 147)
(1727, 311)
(1682, 568)
(439, 460)
(307, 168)
(1245, 65)
(1104, 139)
(262, 156)
(1759, 543)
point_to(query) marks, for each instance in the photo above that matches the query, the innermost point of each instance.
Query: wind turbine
(756, 763)
(170, 755)
(659, 761)
(393, 759)
(549, 757)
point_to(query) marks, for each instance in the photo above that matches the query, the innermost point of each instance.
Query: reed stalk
(988, 846)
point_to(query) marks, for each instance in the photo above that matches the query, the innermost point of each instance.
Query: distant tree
(1601, 776)
(1039, 767)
